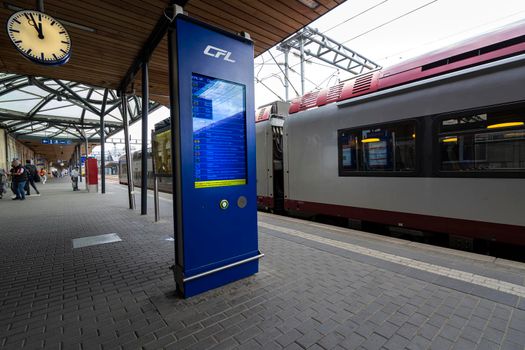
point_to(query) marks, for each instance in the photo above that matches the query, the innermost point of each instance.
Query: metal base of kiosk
(196, 284)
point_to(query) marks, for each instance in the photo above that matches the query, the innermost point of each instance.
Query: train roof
(504, 42)
(463, 49)
(163, 124)
(277, 108)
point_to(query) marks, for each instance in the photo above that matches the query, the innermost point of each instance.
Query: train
(161, 142)
(435, 144)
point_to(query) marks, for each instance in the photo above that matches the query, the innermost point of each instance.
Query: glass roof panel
(82, 90)
(60, 108)
(65, 100)
(20, 105)
(34, 90)
(98, 95)
(91, 116)
(16, 94)
(68, 111)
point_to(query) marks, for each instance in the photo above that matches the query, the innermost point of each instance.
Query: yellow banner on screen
(219, 183)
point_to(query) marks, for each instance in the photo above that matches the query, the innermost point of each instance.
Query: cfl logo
(217, 53)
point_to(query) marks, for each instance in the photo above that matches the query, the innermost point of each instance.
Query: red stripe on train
(469, 228)
(266, 202)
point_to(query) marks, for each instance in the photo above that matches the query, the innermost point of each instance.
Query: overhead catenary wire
(353, 17)
(379, 26)
(390, 21)
(266, 86)
(285, 77)
(337, 25)
(454, 34)
(366, 32)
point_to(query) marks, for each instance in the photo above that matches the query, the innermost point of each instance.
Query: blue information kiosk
(213, 131)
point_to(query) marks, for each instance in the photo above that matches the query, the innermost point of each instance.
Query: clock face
(39, 37)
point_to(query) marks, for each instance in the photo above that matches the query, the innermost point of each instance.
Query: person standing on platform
(3, 182)
(74, 178)
(32, 175)
(19, 178)
(43, 175)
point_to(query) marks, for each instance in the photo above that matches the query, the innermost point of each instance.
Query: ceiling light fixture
(371, 139)
(450, 139)
(312, 4)
(504, 125)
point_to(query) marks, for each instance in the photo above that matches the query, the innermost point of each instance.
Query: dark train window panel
(162, 152)
(378, 149)
(348, 146)
(490, 142)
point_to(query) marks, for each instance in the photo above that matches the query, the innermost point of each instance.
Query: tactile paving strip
(484, 281)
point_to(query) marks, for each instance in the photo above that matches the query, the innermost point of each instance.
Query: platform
(319, 287)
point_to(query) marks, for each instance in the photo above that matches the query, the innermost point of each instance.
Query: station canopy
(51, 108)
(110, 40)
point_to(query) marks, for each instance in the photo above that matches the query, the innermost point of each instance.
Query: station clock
(39, 37)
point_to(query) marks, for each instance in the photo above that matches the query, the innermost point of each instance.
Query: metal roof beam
(78, 97)
(322, 47)
(14, 88)
(12, 115)
(32, 131)
(25, 125)
(156, 35)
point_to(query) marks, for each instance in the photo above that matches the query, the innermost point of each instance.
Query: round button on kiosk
(242, 201)
(224, 204)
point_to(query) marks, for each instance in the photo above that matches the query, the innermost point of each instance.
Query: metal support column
(144, 161)
(302, 67)
(103, 144)
(86, 168)
(131, 192)
(155, 182)
(79, 161)
(286, 75)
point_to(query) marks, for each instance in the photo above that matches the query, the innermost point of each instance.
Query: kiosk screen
(219, 132)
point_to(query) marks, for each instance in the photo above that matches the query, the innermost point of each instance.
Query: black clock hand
(39, 30)
(40, 33)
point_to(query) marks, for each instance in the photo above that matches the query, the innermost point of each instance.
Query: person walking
(43, 175)
(32, 175)
(19, 178)
(74, 178)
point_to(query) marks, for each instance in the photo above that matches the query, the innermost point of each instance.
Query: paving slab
(319, 287)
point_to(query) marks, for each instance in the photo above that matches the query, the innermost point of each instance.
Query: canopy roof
(35, 108)
(52, 108)
(110, 40)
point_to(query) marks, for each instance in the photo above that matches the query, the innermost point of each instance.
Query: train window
(378, 149)
(348, 148)
(162, 152)
(483, 142)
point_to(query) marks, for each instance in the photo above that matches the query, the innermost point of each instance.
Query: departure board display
(219, 132)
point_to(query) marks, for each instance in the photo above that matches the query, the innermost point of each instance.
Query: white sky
(387, 32)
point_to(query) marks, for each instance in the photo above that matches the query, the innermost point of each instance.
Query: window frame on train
(445, 135)
(377, 129)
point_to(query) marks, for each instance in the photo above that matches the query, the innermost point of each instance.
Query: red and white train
(435, 144)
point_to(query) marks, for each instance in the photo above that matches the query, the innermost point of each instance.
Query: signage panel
(56, 142)
(213, 133)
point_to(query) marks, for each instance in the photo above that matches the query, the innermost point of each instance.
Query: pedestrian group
(22, 179)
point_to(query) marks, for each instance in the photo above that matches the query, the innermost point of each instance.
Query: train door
(263, 166)
(277, 183)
